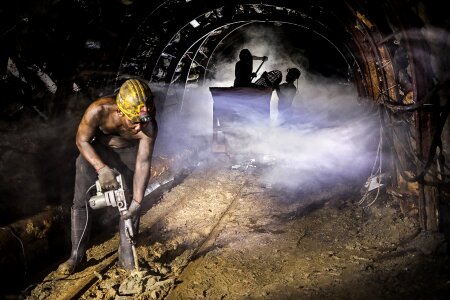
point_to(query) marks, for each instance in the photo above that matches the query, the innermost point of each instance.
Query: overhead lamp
(194, 23)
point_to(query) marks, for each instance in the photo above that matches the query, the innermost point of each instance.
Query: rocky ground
(220, 232)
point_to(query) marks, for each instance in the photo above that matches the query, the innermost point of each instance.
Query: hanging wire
(379, 169)
(377, 161)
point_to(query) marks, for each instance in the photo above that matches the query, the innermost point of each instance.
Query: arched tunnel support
(371, 39)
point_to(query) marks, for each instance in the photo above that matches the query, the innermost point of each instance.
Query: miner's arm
(143, 161)
(86, 132)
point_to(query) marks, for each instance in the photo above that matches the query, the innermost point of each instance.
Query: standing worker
(243, 70)
(286, 93)
(116, 135)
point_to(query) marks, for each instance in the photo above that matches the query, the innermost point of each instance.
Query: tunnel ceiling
(165, 55)
(362, 33)
(111, 40)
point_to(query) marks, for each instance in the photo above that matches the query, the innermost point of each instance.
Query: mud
(222, 233)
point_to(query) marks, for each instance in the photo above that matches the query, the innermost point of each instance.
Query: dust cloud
(329, 137)
(331, 134)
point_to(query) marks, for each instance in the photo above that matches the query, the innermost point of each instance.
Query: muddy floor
(221, 232)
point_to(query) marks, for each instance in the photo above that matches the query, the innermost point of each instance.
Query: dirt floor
(222, 233)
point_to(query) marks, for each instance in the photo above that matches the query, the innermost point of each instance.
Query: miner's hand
(107, 178)
(132, 211)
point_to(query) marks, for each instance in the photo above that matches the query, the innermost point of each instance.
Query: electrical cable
(22, 246)
(25, 291)
(380, 168)
(406, 148)
(87, 216)
(396, 106)
(372, 173)
(436, 141)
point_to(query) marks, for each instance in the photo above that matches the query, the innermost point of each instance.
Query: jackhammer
(116, 198)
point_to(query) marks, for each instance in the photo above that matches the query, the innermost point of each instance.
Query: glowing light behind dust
(333, 136)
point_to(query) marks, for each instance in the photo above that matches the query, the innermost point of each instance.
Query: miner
(116, 135)
(243, 69)
(286, 93)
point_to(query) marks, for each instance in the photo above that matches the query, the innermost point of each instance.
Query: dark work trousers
(123, 160)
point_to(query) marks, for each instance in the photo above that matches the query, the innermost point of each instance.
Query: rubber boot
(126, 258)
(80, 232)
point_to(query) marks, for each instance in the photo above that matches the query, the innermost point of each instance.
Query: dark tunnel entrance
(373, 92)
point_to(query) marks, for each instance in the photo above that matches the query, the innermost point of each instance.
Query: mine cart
(235, 108)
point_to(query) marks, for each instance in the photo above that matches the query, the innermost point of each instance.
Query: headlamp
(145, 119)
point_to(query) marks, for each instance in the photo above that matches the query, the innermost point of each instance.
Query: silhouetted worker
(286, 93)
(243, 71)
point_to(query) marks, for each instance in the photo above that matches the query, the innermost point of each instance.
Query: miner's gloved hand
(107, 178)
(132, 211)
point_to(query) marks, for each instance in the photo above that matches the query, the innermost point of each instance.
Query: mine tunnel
(346, 198)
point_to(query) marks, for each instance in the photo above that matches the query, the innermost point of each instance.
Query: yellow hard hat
(134, 94)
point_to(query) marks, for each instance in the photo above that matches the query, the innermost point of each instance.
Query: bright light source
(194, 23)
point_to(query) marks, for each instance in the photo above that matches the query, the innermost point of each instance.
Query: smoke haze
(330, 136)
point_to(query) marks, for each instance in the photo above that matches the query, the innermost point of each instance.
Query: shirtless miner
(116, 135)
